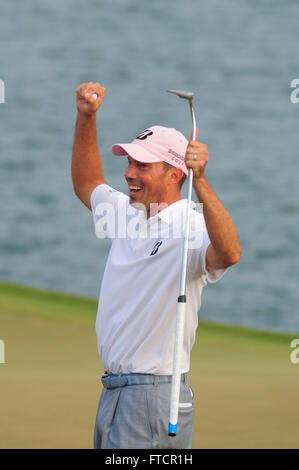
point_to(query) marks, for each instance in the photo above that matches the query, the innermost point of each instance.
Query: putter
(180, 320)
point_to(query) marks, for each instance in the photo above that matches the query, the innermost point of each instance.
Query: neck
(155, 208)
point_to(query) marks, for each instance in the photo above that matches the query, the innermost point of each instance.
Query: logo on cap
(145, 134)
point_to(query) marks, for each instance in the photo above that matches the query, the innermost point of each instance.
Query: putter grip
(177, 359)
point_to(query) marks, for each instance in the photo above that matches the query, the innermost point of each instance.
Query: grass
(245, 386)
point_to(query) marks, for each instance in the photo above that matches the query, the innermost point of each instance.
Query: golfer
(137, 308)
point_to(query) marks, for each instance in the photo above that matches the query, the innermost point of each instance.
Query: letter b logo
(144, 135)
(156, 248)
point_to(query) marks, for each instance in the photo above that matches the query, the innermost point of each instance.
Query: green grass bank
(246, 389)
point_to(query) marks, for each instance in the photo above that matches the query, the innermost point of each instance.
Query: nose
(130, 173)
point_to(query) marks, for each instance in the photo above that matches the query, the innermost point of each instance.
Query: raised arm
(225, 249)
(87, 170)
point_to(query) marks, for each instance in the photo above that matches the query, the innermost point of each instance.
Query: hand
(87, 102)
(202, 155)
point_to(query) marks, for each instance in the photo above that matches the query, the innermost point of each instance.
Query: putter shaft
(181, 306)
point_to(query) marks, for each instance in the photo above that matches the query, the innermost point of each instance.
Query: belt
(122, 380)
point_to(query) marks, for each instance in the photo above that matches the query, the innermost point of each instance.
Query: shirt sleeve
(197, 263)
(108, 206)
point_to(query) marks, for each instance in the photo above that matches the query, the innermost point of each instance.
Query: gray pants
(136, 417)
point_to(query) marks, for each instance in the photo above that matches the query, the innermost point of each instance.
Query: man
(138, 300)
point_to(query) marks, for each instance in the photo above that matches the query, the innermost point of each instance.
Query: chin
(138, 205)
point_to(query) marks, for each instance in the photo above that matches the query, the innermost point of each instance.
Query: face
(147, 182)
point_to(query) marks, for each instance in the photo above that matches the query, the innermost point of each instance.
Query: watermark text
(120, 220)
(295, 354)
(2, 351)
(2, 91)
(294, 96)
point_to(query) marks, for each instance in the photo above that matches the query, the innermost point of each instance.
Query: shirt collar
(169, 214)
(174, 210)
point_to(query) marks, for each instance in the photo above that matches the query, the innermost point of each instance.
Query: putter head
(186, 95)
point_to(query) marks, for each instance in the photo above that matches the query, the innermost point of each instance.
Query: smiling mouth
(134, 189)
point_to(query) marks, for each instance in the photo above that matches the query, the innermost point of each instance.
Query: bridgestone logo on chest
(156, 248)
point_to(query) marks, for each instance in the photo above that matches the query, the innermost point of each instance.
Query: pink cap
(156, 144)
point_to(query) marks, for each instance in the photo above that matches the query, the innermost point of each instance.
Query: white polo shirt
(137, 308)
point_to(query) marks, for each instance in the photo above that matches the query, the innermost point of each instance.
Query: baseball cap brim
(140, 154)
(135, 151)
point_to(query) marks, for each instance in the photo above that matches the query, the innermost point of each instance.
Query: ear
(176, 175)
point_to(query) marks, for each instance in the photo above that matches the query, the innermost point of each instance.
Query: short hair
(167, 167)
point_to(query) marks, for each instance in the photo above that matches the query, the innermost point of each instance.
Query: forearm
(221, 228)
(86, 160)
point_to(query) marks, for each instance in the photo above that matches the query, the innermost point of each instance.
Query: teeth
(134, 187)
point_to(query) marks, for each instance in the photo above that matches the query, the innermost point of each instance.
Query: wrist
(84, 119)
(202, 188)
(200, 181)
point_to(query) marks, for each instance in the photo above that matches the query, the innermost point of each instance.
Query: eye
(142, 165)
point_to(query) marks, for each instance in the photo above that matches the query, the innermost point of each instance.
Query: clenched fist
(89, 97)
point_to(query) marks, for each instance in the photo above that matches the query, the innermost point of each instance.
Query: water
(242, 58)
